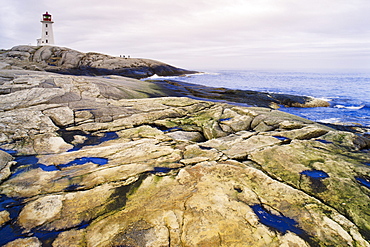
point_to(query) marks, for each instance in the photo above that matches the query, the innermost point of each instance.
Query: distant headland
(68, 61)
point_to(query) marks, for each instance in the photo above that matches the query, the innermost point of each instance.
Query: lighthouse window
(47, 41)
(46, 33)
(46, 25)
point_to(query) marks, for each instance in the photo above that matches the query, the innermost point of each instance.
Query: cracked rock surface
(67, 61)
(92, 161)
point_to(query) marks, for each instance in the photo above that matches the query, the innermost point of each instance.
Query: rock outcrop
(110, 161)
(6, 161)
(67, 61)
(246, 97)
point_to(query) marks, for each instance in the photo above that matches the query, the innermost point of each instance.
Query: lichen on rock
(94, 161)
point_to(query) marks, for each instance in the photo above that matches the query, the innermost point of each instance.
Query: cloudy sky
(203, 34)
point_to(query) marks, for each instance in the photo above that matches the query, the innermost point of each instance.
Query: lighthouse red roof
(46, 16)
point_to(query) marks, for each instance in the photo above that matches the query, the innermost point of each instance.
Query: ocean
(347, 92)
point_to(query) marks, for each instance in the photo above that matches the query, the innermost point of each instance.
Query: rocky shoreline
(114, 161)
(252, 98)
(71, 62)
(242, 97)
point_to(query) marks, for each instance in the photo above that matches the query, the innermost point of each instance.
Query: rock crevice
(93, 161)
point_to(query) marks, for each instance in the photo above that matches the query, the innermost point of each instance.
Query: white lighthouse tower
(47, 36)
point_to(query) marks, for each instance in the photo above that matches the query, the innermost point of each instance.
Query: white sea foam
(349, 107)
(207, 73)
(158, 77)
(325, 99)
(330, 120)
(155, 76)
(178, 77)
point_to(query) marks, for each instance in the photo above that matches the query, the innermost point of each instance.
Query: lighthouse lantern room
(47, 36)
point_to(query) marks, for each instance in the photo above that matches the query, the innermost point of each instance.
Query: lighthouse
(47, 36)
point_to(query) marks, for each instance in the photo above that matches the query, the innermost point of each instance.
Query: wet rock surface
(94, 161)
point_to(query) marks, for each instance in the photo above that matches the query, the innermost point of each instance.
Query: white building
(47, 35)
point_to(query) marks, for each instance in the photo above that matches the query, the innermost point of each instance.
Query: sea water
(347, 92)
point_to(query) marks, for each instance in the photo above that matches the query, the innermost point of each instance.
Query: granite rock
(101, 162)
(4, 217)
(246, 97)
(29, 242)
(67, 61)
(6, 161)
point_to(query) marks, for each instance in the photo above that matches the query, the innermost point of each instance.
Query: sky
(203, 34)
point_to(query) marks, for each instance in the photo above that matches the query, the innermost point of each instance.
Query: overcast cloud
(203, 34)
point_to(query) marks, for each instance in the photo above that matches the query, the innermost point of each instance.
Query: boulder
(28, 97)
(61, 116)
(186, 136)
(49, 144)
(72, 238)
(29, 242)
(4, 217)
(5, 165)
(40, 211)
(5, 158)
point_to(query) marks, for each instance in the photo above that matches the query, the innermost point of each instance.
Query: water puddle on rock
(316, 174)
(9, 151)
(161, 170)
(316, 177)
(171, 129)
(93, 140)
(277, 222)
(282, 138)
(29, 162)
(85, 160)
(11, 204)
(225, 119)
(364, 180)
(90, 139)
(281, 223)
(10, 231)
(46, 237)
(324, 141)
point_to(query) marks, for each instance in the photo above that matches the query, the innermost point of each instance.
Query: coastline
(347, 107)
(70, 62)
(246, 97)
(250, 98)
(115, 161)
